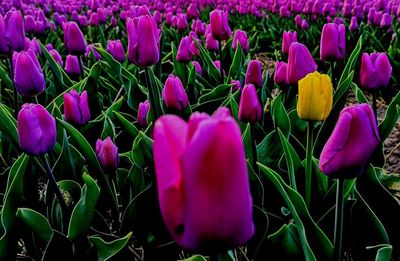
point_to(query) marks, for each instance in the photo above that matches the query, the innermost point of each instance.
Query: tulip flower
(211, 43)
(182, 22)
(280, 76)
(375, 71)
(143, 41)
(254, 74)
(199, 27)
(184, 51)
(386, 21)
(236, 85)
(116, 49)
(74, 41)
(249, 108)
(315, 97)
(197, 65)
(351, 144)
(107, 154)
(193, 11)
(143, 111)
(28, 75)
(240, 37)
(333, 42)
(300, 63)
(305, 25)
(12, 32)
(287, 39)
(201, 168)
(36, 129)
(219, 25)
(353, 24)
(91, 50)
(57, 57)
(76, 107)
(72, 65)
(174, 94)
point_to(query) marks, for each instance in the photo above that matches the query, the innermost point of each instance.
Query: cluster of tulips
(162, 134)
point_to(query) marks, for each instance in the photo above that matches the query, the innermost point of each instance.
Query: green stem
(254, 147)
(16, 105)
(374, 107)
(309, 154)
(152, 100)
(220, 61)
(81, 67)
(337, 254)
(332, 63)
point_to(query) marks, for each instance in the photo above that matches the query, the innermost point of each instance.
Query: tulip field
(200, 130)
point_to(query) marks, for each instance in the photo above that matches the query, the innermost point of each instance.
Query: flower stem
(332, 64)
(253, 146)
(337, 254)
(309, 154)
(374, 105)
(81, 67)
(16, 105)
(220, 61)
(152, 100)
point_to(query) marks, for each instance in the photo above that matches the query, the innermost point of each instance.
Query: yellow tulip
(315, 97)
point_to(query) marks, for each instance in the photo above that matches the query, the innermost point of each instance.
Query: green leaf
(36, 222)
(358, 93)
(196, 258)
(8, 125)
(391, 117)
(82, 215)
(219, 92)
(5, 79)
(269, 151)
(383, 252)
(126, 125)
(207, 63)
(280, 116)
(286, 243)
(248, 143)
(351, 62)
(179, 68)
(237, 64)
(107, 250)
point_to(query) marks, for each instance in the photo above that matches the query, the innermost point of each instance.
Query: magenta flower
(76, 107)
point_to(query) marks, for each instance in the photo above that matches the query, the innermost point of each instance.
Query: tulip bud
(236, 85)
(249, 108)
(199, 27)
(72, 65)
(315, 97)
(57, 57)
(305, 25)
(143, 41)
(375, 71)
(240, 37)
(74, 41)
(107, 154)
(36, 129)
(298, 20)
(200, 167)
(184, 52)
(300, 63)
(333, 42)
(353, 24)
(91, 50)
(143, 111)
(280, 76)
(219, 25)
(211, 43)
(254, 74)
(351, 144)
(12, 32)
(198, 67)
(174, 94)
(182, 23)
(287, 39)
(116, 49)
(76, 108)
(193, 11)
(386, 21)
(28, 75)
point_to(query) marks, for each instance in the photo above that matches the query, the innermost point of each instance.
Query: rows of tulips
(149, 130)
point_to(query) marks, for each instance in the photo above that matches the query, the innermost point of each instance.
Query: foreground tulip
(28, 75)
(36, 129)
(116, 49)
(74, 41)
(249, 108)
(280, 75)
(201, 168)
(107, 154)
(143, 41)
(287, 39)
(184, 51)
(333, 42)
(300, 63)
(240, 37)
(254, 74)
(219, 25)
(143, 111)
(375, 71)
(315, 97)
(174, 94)
(351, 144)
(76, 108)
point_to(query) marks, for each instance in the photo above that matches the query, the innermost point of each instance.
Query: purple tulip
(29, 24)
(201, 168)
(198, 67)
(240, 37)
(28, 75)
(249, 107)
(74, 41)
(236, 85)
(143, 41)
(143, 111)
(184, 51)
(375, 71)
(193, 11)
(386, 21)
(305, 25)
(211, 43)
(298, 20)
(12, 32)
(219, 25)
(280, 76)
(300, 63)
(351, 144)
(333, 42)
(36, 129)
(72, 65)
(76, 107)
(182, 23)
(174, 94)
(353, 24)
(199, 27)
(57, 57)
(107, 154)
(254, 74)
(91, 49)
(116, 49)
(287, 39)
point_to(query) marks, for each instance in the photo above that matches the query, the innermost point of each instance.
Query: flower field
(199, 130)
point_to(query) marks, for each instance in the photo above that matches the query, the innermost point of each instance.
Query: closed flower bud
(198, 67)
(375, 71)
(57, 57)
(76, 108)
(240, 37)
(199, 27)
(174, 94)
(386, 21)
(353, 24)
(72, 66)
(351, 144)
(74, 41)
(287, 39)
(182, 22)
(236, 85)
(219, 25)
(211, 43)
(315, 97)
(200, 167)
(12, 32)
(193, 11)
(36, 129)
(280, 76)
(144, 108)
(305, 25)
(107, 154)
(28, 75)
(116, 49)
(254, 74)
(143, 41)
(333, 42)
(249, 108)
(184, 51)
(300, 63)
